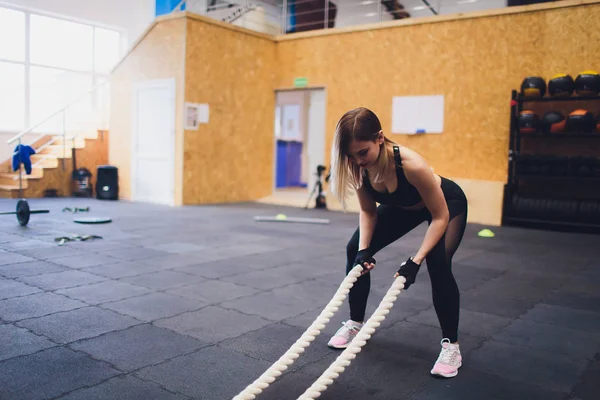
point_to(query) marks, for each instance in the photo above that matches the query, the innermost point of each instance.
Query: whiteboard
(418, 114)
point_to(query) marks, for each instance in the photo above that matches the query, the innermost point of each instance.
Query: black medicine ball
(533, 86)
(528, 122)
(561, 85)
(553, 122)
(587, 83)
(581, 121)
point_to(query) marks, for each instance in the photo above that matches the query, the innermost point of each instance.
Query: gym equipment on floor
(92, 220)
(344, 359)
(75, 238)
(76, 209)
(23, 212)
(283, 218)
(555, 209)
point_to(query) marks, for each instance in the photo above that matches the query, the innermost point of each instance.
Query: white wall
(130, 16)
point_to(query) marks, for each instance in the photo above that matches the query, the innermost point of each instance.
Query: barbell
(24, 212)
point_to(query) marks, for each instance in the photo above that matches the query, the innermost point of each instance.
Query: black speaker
(107, 183)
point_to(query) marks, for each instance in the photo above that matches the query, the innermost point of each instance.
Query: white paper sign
(195, 114)
(203, 113)
(418, 114)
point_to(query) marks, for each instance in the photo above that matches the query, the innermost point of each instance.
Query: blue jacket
(21, 155)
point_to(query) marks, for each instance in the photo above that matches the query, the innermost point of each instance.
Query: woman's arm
(367, 217)
(420, 175)
(367, 222)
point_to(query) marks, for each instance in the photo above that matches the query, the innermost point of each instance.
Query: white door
(153, 147)
(316, 135)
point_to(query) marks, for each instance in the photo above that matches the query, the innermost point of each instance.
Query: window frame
(96, 76)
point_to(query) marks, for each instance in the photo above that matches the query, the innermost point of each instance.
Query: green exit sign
(300, 82)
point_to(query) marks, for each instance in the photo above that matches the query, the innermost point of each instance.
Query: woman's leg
(446, 296)
(392, 223)
(445, 293)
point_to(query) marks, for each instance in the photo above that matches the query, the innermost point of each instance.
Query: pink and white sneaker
(449, 360)
(345, 334)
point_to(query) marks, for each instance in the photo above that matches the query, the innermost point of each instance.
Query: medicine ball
(561, 85)
(587, 83)
(528, 122)
(553, 122)
(581, 121)
(533, 86)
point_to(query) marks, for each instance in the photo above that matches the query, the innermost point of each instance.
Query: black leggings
(393, 223)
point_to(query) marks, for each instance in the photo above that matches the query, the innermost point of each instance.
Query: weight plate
(93, 220)
(23, 212)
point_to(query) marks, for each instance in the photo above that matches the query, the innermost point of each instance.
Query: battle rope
(269, 376)
(338, 366)
(349, 354)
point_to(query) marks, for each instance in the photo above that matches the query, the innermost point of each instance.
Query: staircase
(52, 163)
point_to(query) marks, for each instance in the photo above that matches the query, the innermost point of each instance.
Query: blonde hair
(359, 124)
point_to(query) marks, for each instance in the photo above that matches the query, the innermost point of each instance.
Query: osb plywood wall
(229, 159)
(474, 63)
(160, 55)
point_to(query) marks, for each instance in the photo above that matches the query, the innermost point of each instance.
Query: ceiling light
(417, 8)
(371, 14)
(466, 1)
(367, 2)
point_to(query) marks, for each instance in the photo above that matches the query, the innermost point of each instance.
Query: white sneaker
(345, 334)
(449, 360)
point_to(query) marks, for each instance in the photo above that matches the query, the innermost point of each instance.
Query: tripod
(320, 201)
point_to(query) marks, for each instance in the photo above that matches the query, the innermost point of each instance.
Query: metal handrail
(72, 103)
(178, 6)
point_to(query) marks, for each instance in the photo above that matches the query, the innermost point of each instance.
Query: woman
(409, 193)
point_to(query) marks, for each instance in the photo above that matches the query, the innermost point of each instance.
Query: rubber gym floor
(196, 302)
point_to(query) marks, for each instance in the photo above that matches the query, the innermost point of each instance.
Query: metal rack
(564, 193)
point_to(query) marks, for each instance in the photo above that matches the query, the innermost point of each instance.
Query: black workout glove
(362, 257)
(409, 270)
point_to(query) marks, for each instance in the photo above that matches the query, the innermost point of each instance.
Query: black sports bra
(406, 195)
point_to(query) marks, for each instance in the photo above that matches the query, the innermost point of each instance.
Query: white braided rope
(344, 359)
(269, 376)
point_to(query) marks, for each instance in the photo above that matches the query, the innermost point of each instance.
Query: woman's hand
(365, 260)
(408, 270)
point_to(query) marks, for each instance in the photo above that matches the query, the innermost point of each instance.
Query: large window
(48, 62)
(12, 96)
(51, 89)
(12, 35)
(62, 44)
(106, 50)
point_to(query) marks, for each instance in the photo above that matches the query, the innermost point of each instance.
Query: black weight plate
(23, 212)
